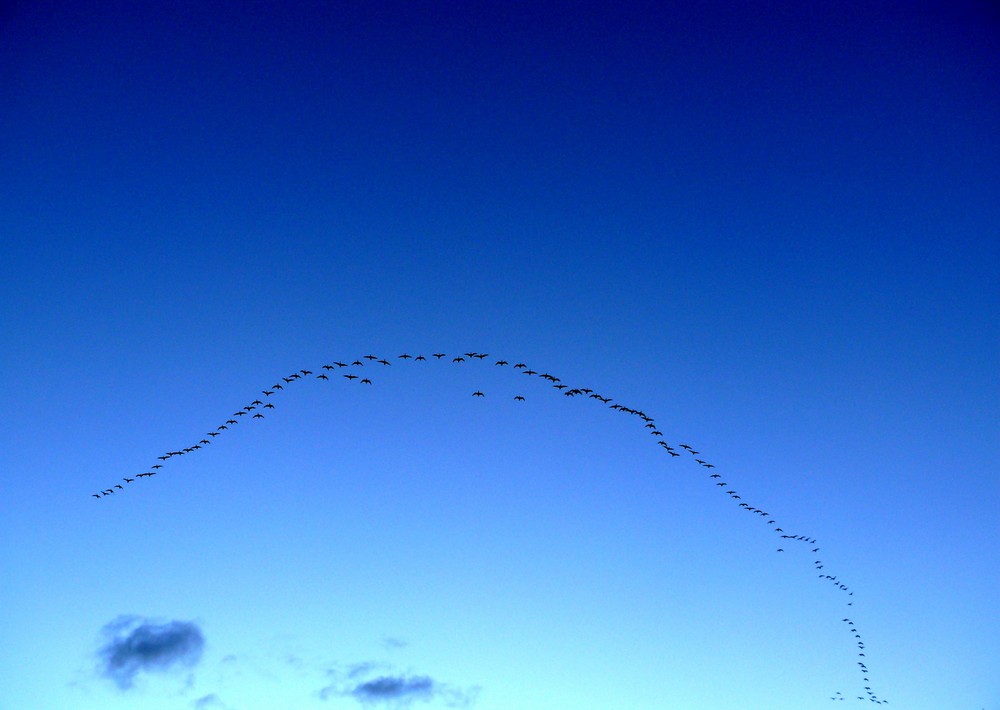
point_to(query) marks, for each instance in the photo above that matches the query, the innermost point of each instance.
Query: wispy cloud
(134, 644)
(209, 702)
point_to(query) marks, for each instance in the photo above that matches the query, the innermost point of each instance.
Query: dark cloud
(394, 688)
(136, 645)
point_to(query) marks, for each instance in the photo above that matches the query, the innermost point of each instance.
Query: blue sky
(773, 230)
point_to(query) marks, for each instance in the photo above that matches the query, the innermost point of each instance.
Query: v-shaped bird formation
(255, 410)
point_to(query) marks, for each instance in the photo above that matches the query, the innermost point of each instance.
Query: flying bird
(518, 398)
(477, 393)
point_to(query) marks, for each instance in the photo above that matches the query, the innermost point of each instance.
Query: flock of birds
(254, 410)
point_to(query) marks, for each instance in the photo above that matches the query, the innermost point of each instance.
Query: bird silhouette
(518, 398)
(477, 393)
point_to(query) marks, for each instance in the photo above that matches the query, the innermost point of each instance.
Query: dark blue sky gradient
(774, 226)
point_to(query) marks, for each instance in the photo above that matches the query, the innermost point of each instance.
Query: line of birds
(257, 406)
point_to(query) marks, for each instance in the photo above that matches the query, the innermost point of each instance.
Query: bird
(256, 402)
(269, 406)
(128, 480)
(119, 486)
(95, 495)
(518, 398)
(215, 433)
(327, 367)
(371, 357)
(404, 356)
(477, 393)
(306, 372)
(519, 366)
(340, 364)
(258, 415)
(351, 377)
(419, 357)
(438, 355)
(385, 362)
(501, 362)
(267, 393)
(157, 466)
(358, 362)
(458, 359)
(322, 377)
(366, 381)
(716, 475)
